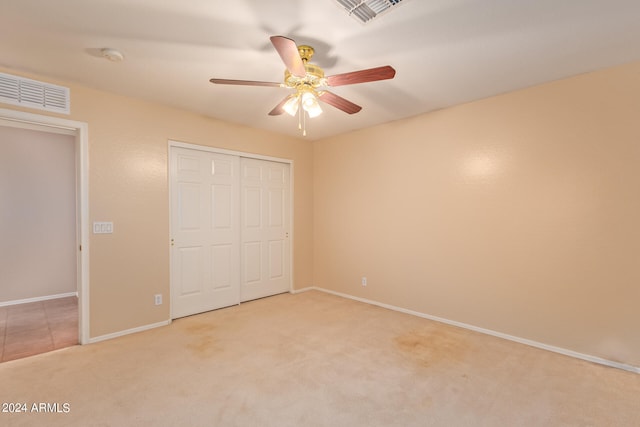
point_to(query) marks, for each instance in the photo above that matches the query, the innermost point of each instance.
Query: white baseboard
(128, 331)
(36, 299)
(301, 290)
(525, 341)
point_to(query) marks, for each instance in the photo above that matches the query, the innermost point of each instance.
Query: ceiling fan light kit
(291, 106)
(306, 78)
(310, 104)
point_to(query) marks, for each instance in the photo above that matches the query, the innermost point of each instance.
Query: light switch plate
(102, 227)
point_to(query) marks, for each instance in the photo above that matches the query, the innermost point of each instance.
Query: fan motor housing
(314, 77)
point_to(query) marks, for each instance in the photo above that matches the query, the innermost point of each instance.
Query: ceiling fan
(307, 80)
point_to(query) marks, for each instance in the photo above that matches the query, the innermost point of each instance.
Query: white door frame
(179, 144)
(81, 130)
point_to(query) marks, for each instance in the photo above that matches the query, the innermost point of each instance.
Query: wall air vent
(365, 10)
(34, 94)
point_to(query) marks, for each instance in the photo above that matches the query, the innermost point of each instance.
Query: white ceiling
(446, 52)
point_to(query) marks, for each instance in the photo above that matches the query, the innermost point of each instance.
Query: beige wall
(128, 149)
(37, 214)
(517, 213)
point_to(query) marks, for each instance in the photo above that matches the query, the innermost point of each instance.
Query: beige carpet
(315, 359)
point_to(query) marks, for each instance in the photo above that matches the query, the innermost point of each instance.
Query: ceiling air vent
(34, 94)
(365, 10)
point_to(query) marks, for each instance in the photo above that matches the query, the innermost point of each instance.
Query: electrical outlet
(158, 299)
(364, 281)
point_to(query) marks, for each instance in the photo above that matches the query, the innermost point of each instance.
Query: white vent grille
(365, 10)
(34, 94)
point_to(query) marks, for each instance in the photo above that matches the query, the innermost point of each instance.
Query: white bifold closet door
(230, 224)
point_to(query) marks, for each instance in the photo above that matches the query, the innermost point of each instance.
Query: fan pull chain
(304, 124)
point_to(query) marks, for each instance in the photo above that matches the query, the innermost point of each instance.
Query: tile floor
(38, 327)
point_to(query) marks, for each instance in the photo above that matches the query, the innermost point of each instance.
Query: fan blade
(339, 102)
(288, 51)
(362, 76)
(277, 110)
(244, 83)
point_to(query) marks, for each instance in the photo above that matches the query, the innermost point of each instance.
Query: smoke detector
(112, 55)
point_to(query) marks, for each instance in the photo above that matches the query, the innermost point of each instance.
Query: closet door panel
(266, 225)
(205, 258)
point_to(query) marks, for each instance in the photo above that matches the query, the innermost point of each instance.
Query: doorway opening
(49, 233)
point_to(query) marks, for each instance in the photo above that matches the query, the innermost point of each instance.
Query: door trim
(180, 144)
(174, 143)
(81, 131)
